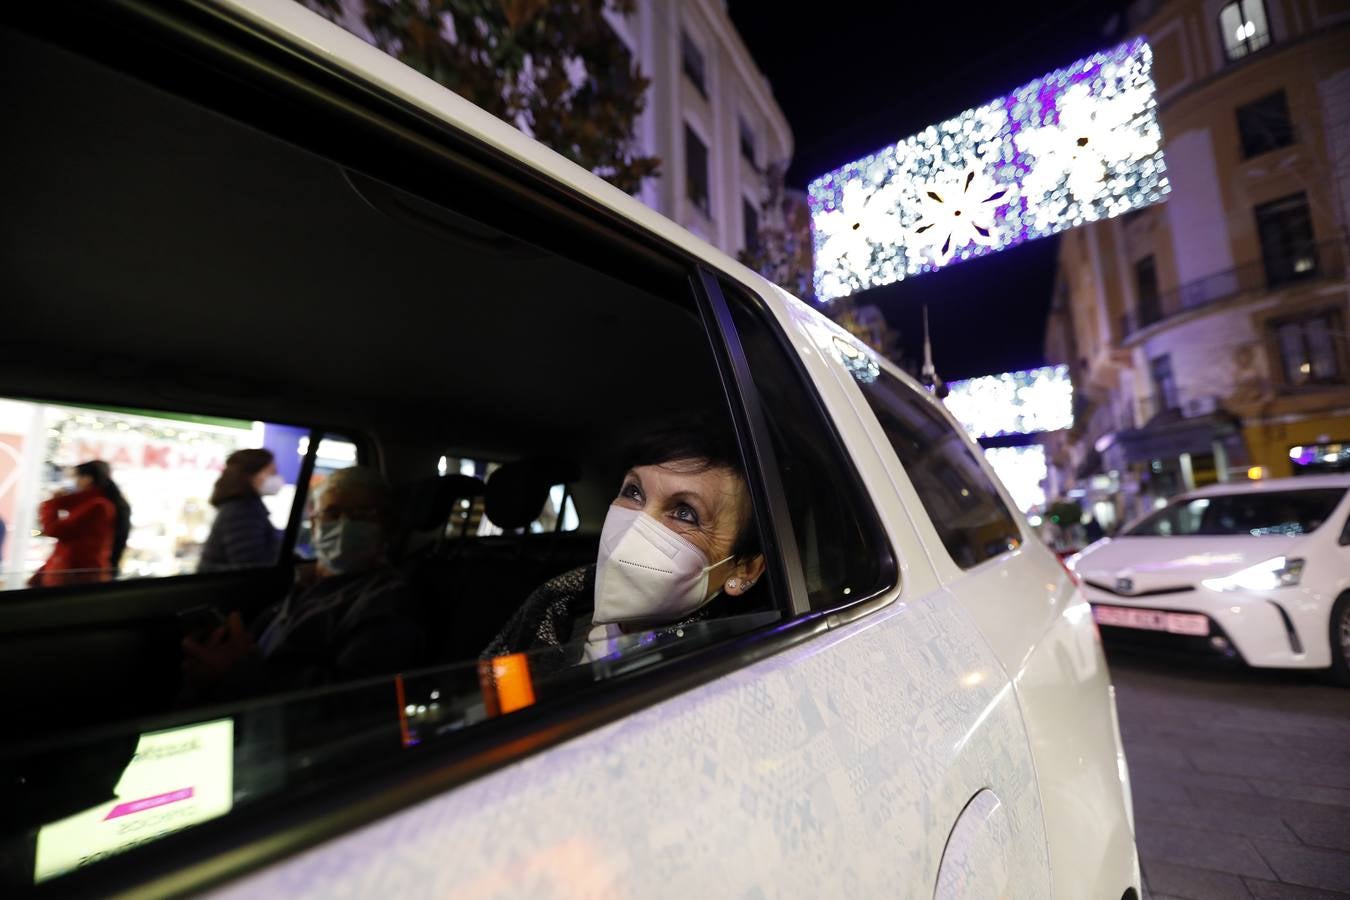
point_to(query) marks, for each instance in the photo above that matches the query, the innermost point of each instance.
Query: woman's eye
(631, 491)
(686, 513)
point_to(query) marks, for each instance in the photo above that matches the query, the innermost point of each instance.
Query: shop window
(1311, 348)
(147, 505)
(696, 171)
(1321, 459)
(750, 217)
(1165, 393)
(1288, 249)
(1264, 125)
(691, 58)
(1243, 28)
(1146, 288)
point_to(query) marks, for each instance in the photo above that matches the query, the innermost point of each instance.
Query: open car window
(408, 316)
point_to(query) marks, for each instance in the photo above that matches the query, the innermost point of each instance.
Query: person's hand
(210, 661)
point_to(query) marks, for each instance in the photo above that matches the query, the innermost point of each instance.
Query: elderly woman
(678, 540)
(354, 621)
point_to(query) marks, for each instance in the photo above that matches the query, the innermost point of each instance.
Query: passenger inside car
(678, 546)
(349, 618)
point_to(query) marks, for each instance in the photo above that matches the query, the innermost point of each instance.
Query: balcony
(1320, 261)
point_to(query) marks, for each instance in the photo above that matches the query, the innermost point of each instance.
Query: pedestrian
(84, 522)
(242, 535)
(122, 525)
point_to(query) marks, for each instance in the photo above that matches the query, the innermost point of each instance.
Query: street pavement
(1241, 779)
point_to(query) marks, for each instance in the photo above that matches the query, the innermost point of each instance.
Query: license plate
(1152, 620)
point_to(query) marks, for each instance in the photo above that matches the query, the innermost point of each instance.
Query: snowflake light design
(957, 214)
(1078, 145)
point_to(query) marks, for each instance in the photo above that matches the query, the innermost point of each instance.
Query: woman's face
(83, 482)
(264, 473)
(708, 507)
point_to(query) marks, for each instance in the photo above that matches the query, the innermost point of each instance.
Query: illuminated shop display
(1021, 469)
(1078, 145)
(1014, 402)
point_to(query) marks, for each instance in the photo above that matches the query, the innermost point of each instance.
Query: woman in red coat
(84, 523)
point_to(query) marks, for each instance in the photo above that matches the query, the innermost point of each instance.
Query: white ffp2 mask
(272, 485)
(646, 573)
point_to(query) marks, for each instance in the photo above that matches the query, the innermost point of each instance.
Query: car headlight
(1264, 576)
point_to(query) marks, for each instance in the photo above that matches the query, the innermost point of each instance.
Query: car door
(1032, 618)
(840, 766)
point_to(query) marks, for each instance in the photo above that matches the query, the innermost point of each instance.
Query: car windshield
(1263, 513)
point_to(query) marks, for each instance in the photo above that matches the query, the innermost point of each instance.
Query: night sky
(852, 77)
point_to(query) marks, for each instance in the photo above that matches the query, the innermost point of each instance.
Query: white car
(1259, 569)
(234, 225)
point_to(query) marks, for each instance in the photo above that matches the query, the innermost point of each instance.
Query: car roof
(1271, 485)
(333, 43)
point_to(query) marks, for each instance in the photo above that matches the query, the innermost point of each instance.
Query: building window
(1264, 125)
(696, 170)
(693, 63)
(1287, 247)
(1146, 288)
(747, 143)
(1243, 28)
(1164, 383)
(1310, 351)
(750, 216)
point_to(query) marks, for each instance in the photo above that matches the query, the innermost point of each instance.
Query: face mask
(271, 485)
(347, 545)
(646, 573)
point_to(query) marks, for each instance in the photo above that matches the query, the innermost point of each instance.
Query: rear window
(960, 498)
(1276, 512)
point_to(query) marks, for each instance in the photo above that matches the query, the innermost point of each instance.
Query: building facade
(1209, 335)
(710, 118)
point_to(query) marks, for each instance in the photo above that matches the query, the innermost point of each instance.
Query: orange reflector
(506, 684)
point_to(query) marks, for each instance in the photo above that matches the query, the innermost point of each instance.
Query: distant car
(1257, 569)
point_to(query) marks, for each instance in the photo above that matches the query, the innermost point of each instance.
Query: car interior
(161, 256)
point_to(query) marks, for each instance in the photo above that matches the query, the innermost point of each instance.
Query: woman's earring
(734, 584)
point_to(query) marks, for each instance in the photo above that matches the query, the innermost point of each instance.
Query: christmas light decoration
(1079, 145)
(1021, 469)
(1014, 402)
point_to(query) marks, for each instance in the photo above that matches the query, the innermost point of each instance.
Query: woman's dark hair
(241, 467)
(712, 446)
(101, 473)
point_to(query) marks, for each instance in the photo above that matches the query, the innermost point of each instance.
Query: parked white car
(231, 214)
(1260, 569)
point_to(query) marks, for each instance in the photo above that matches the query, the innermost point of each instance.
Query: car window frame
(215, 59)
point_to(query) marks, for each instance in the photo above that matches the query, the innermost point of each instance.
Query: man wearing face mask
(353, 621)
(678, 546)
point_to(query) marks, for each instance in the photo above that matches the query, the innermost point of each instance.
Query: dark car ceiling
(159, 255)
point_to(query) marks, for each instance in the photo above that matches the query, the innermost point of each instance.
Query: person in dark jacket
(102, 474)
(84, 523)
(354, 620)
(242, 536)
(679, 546)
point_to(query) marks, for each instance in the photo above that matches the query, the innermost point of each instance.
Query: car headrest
(516, 492)
(427, 504)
